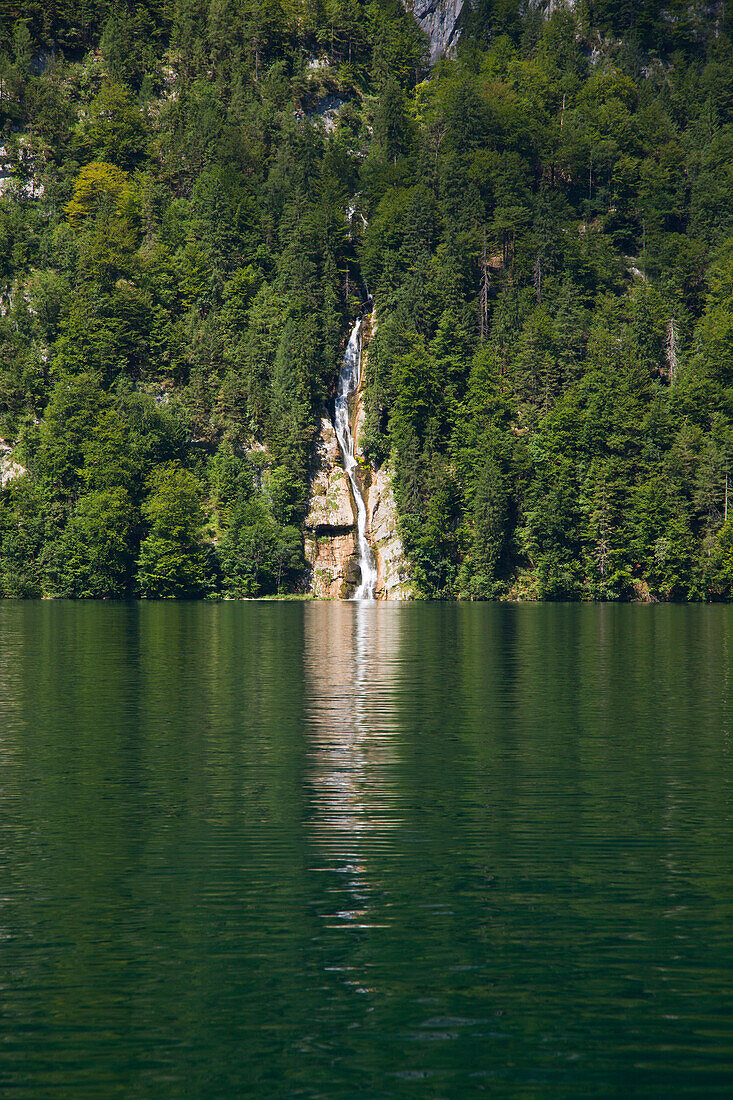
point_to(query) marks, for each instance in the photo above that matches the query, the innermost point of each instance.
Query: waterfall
(348, 384)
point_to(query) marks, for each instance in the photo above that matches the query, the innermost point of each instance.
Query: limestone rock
(330, 505)
(9, 468)
(393, 570)
(333, 562)
(329, 525)
(440, 20)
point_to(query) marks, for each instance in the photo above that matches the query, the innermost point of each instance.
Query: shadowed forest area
(196, 199)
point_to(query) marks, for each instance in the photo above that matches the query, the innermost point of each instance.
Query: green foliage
(99, 188)
(22, 535)
(114, 129)
(544, 221)
(173, 562)
(92, 558)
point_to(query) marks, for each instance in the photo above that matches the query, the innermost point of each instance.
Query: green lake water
(338, 850)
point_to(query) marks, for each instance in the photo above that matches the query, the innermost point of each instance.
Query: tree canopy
(543, 221)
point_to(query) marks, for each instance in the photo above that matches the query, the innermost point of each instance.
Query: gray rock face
(439, 19)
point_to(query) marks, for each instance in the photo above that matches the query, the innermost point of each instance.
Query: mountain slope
(195, 199)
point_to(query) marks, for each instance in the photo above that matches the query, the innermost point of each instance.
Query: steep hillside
(196, 201)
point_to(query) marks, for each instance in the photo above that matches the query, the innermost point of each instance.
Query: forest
(196, 199)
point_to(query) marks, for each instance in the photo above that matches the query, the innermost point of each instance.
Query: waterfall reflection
(351, 659)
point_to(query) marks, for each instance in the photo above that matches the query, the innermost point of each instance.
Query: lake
(374, 850)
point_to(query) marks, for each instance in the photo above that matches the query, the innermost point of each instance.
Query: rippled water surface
(338, 850)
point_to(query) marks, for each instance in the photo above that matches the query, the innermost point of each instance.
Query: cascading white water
(348, 384)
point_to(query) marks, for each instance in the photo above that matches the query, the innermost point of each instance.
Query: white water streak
(348, 385)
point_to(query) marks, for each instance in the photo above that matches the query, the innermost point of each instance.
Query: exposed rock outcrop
(329, 525)
(549, 7)
(331, 505)
(9, 468)
(393, 570)
(701, 19)
(334, 567)
(440, 19)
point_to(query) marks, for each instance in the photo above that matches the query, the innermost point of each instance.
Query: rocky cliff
(393, 570)
(440, 19)
(330, 526)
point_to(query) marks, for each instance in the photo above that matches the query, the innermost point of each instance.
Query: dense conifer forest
(196, 199)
